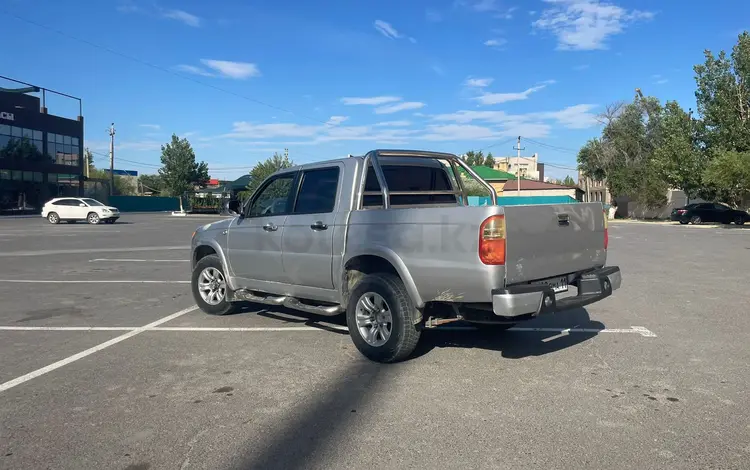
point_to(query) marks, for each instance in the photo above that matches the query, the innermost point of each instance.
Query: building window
(18, 143)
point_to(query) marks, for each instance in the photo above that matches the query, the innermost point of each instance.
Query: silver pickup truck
(389, 239)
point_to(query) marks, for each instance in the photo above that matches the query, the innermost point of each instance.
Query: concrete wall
(541, 192)
(522, 200)
(675, 199)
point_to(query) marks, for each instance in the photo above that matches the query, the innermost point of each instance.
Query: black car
(709, 212)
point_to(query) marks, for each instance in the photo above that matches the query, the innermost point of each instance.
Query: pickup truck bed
(389, 240)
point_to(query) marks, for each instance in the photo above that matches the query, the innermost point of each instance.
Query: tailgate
(552, 239)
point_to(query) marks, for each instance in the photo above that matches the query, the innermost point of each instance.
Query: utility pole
(112, 159)
(518, 166)
(86, 162)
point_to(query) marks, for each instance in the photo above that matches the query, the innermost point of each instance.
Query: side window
(317, 193)
(719, 207)
(273, 199)
(410, 178)
(66, 202)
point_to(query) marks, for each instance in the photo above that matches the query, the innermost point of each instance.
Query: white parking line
(32, 375)
(91, 250)
(127, 260)
(78, 281)
(634, 329)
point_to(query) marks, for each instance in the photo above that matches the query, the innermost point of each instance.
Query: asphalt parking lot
(106, 363)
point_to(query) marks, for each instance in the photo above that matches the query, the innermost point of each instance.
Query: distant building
(526, 167)
(594, 190)
(496, 178)
(41, 155)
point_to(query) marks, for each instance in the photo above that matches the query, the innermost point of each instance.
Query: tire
(684, 222)
(739, 221)
(53, 218)
(695, 220)
(212, 265)
(403, 335)
(93, 218)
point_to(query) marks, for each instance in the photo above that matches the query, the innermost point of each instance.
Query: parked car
(72, 209)
(390, 240)
(709, 212)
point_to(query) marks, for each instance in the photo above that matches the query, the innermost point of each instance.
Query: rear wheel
(93, 218)
(209, 286)
(683, 222)
(739, 220)
(53, 218)
(380, 318)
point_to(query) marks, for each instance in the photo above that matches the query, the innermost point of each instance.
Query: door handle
(319, 226)
(270, 227)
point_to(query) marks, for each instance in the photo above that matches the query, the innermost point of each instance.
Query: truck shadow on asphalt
(512, 344)
(517, 344)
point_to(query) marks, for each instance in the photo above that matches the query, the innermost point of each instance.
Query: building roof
(491, 174)
(534, 185)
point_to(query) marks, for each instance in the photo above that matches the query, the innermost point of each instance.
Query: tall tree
(266, 168)
(728, 176)
(723, 96)
(180, 172)
(677, 158)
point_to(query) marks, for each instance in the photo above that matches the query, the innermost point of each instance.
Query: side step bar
(289, 302)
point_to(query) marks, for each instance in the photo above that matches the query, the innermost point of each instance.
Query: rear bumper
(593, 286)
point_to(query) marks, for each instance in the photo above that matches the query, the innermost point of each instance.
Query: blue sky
(324, 79)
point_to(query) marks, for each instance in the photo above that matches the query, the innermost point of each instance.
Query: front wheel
(695, 220)
(93, 218)
(380, 317)
(209, 286)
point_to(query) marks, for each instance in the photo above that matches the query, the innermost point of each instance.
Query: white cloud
(386, 29)
(507, 14)
(479, 82)
(183, 16)
(155, 127)
(482, 5)
(399, 107)
(496, 42)
(373, 101)
(433, 16)
(336, 120)
(586, 24)
(458, 132)
(497, 98)
(194, 70)
(230, 69)
(573, 117)
(393, 124)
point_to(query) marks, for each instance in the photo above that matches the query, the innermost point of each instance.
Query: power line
(171, 72)
(553, 147)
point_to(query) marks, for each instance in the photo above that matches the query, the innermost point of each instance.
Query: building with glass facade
(41, 155)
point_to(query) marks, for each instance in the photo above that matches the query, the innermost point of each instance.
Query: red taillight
(681, 211)
(492, 240)
(606, 230)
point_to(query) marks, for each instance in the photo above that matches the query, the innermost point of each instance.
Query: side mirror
(234, 207)
(81, 205)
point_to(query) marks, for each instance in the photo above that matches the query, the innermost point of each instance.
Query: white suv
(71, 209)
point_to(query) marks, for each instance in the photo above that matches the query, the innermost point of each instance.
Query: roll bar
(373, 157)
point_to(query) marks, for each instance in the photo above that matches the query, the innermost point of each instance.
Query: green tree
(153, 183)
(180, 172)
(568, 181)
(678, 160)
(728, 176)
(723, 97)
(623, 155)
(477, 158)
(88, 157)
(264, 169)
(489, 161)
